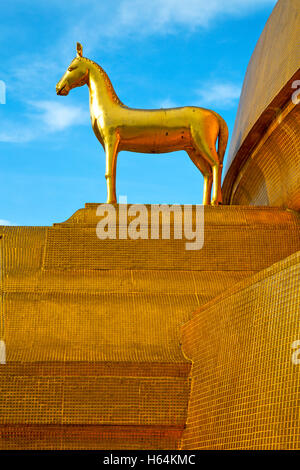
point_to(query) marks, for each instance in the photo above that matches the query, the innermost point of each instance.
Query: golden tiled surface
(86, 299)
(111, 400)
(86, 405)
(271, 175)
(274, 61)
(90, 437)
(264, 155)
(92, 328)
(245, 387)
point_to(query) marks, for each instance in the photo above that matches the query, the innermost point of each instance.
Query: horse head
(76, 74)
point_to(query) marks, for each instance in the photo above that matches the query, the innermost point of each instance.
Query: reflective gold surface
(271, 176)
(117, 127)
(92, 327)
(268, 174)
(245, 385)
(275, 60)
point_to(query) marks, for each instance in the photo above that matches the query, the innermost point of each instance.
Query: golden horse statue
(118, 127)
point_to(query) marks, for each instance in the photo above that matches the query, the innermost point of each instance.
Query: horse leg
(205, 169)
(217, 193)
(208, 150)
(111, 153)
(207, 189)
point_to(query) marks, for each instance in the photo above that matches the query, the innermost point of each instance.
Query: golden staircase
(92, 327)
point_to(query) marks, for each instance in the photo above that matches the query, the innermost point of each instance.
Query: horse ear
(79, 49)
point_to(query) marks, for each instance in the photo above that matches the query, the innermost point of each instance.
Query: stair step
(89, 437)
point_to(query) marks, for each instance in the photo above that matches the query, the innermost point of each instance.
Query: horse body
(117, 127)
(167, 131)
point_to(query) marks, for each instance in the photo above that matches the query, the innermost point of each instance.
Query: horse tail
(223, 138)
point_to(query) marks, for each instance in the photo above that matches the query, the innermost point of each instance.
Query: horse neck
(102, 93)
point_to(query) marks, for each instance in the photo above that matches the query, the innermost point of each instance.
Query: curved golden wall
(264, 131)
(245, 378)
(271, 176)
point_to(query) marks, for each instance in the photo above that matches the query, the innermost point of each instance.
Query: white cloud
(156, 16)
(5, 222)
(167, 103)
(49, 117)
(219, 95)
(160, 14)
(58, 116)
(33, 76)
(211, 94)
(16, 133)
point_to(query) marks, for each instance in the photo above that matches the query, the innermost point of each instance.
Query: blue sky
(161, 53)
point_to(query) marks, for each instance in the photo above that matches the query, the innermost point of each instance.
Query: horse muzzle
(62, 90)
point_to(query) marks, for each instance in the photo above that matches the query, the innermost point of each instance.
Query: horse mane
(108, 83)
